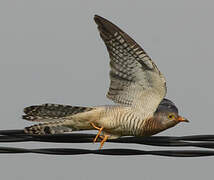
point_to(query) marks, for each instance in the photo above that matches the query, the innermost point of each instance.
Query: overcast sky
(50, 51)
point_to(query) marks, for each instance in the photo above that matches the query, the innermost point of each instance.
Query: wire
(199, 141)
(118, 152)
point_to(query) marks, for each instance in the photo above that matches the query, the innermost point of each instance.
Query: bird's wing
(135, 79)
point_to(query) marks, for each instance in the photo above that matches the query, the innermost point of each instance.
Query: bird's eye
(171, 116)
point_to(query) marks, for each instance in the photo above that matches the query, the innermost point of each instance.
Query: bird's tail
(51, 112)
(55, 127)
(58, 118)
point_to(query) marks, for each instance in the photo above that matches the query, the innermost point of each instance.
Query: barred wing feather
(135, 79)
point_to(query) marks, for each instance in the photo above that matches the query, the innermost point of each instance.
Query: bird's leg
(105, 137)
(99, 132)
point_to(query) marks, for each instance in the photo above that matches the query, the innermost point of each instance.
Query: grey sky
(50, 51)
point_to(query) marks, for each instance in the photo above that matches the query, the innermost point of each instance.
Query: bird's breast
(128, 123)
(124, 121)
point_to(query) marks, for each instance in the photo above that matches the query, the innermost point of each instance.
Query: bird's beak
(181, 119)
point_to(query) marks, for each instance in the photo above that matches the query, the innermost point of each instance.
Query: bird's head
(167, 114)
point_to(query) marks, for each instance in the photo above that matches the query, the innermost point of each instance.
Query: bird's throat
(152, 126)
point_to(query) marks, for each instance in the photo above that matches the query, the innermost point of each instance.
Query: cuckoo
(137, 87)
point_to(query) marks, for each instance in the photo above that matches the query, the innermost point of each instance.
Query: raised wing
(135, 79)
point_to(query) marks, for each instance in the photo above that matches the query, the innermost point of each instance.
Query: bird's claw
(104, 138)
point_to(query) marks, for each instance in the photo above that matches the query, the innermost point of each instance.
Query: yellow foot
(99, 132)
(105, 137)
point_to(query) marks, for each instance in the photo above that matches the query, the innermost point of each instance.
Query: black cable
(202, 141)
(118, 152)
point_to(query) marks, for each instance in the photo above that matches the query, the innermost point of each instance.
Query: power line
(198, 141)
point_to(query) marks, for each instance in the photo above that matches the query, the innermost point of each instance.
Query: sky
(51, 52)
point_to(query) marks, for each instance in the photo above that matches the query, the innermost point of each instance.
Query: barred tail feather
(59, 127)
(51, 112)
(79, 122)
(56, 127)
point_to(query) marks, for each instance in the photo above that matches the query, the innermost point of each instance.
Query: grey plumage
(167, 105)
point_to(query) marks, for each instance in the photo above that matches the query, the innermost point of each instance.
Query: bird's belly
(123, 124)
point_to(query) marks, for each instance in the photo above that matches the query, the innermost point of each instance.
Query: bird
(137, 88)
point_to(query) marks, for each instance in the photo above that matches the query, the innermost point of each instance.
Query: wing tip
(98, 19)
(105, 26)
